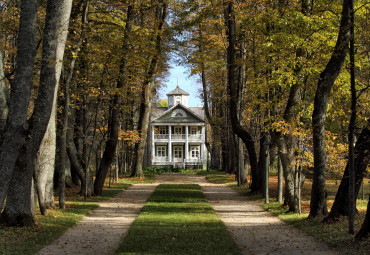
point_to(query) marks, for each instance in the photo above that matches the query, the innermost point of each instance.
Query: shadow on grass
(177, 221)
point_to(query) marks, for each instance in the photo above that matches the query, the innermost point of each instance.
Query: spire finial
(177, 81)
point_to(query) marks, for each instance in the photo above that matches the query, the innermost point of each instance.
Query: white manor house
(177, 133)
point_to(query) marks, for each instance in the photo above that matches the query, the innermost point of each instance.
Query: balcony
(196, 137)
(161, 137)
(175, 161)
(178, 137)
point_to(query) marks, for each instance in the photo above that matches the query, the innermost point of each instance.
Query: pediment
(178, 113)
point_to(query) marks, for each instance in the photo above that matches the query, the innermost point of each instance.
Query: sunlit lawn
(177, 220)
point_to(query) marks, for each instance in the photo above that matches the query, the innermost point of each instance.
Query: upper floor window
(193, 130)
(178, 130)
(162, 130)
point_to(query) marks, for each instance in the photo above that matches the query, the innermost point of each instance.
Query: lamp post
(266, 145)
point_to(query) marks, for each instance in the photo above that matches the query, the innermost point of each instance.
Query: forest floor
(254, 230)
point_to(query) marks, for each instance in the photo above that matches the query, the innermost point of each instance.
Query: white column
(203, 145)
(153, 144)
(169, 144)
(186, 143)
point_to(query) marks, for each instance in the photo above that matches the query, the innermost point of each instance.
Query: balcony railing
(165, 161)
(195, 137)
(178, 137)
(160, 136)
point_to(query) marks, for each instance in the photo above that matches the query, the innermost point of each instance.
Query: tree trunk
(318, 206)
(15, 132)
(147, 92)
(365, 228)
(280, 181)
(55, 36)
(3, 92)
(113, 125)
(232, 90)
(361, 161)
(62, 139)
(77, 164)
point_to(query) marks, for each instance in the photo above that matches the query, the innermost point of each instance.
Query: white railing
(178, 137)
(165, 161)
(161, 136)
(195, 137)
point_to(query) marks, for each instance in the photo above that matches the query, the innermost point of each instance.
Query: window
(162, 130)
(178, 113)
(178, 130)
(194, 130)
(177, 151)
(194, 151)
(161, 151)
(178, 100)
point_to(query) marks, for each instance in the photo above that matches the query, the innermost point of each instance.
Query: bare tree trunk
(15, 133)
(318, 206)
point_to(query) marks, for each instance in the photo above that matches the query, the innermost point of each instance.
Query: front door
(177, 153)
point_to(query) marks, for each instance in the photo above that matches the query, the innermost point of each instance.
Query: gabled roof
(166, 116)
(178, 91)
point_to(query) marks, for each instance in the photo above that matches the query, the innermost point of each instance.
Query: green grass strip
(178, 220)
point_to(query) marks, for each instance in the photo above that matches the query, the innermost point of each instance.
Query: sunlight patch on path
(257, 231)
(102, 231)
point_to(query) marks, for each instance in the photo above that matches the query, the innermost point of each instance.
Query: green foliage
(165, 169)
(178, 221)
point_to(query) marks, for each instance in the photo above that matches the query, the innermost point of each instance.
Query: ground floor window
(195, 151)
(161, 151)
(177, 151)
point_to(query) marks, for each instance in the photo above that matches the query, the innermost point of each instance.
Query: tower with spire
(177, 96)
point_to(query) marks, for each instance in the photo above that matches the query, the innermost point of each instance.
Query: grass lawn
(335, 234)
(178, 220)
(29, 240)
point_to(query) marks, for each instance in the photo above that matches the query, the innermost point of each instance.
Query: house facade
(177, 133)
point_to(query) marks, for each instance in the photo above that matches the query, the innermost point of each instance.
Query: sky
(190, 85)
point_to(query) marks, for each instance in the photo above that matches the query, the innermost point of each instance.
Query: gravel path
(103, 230)
(254, 230)
(257, 231)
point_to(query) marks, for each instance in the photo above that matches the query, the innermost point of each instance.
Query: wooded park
(285, 89)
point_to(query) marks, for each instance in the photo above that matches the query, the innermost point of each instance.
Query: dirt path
(255, 231)
(103, 230)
